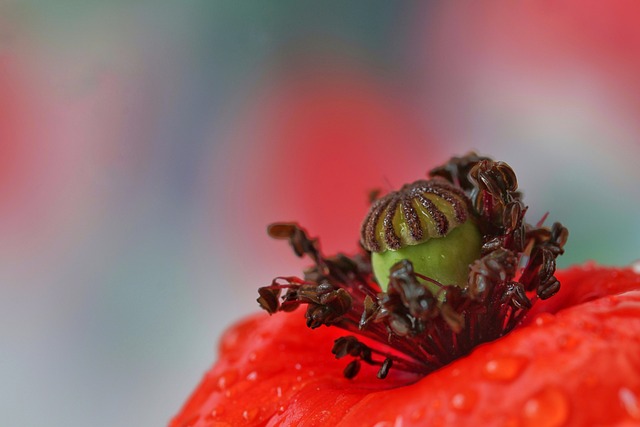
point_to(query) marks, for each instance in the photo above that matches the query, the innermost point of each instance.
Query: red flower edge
(575, 361)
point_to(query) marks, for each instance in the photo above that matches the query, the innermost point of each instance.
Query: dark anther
(350, 346)
(495, 177)
(489, 271)
(457, 169)
(517, 296)
(416, 297)
(512, 216)
(297, 237)
(399, 324)
(352, 369)
(549, 288)
(343, 346)
(370, 310)
(268, 299)
(384, 369)
(559, 236)
(326, 305)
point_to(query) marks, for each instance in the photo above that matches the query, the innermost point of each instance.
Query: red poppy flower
(576, 362)
(573, 359)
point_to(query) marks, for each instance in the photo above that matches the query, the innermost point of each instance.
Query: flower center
(455, 266)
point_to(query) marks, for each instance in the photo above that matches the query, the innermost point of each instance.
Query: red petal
(579, 366)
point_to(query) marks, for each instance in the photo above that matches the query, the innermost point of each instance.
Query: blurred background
(145, 146)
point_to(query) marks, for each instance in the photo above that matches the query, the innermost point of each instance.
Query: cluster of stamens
(418, 329)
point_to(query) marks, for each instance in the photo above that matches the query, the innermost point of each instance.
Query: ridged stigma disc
(417, 212)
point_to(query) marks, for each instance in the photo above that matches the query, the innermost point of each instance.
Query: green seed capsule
(428, 223)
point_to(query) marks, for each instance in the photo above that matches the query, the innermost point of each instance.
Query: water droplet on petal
(281, 409)
(630, 402)
(544, 319)
(253, 356)
(279, 391)
(217, 411)
(547, 408)
(297, 366)
(253, 375)
(506, 368)
(227, 379)
(250, 414)
(464, 401)
(229, 340)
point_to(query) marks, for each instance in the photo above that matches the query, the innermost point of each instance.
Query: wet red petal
(576, 362)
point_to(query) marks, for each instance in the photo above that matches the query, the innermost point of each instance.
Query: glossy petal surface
(575, 361)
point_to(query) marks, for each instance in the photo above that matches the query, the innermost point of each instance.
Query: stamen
(408, 327)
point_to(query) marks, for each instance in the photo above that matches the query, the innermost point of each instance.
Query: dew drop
(229, 340)
(281, 409)
(253, 375)
(298, 378)
(279, 391)
(547, 408)
(250, 414)
(630, 402)
(506, 368)
(544, 319)
(253, 356)
(464, 401)
(216, 412)
(298, 366)
(227, 379)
